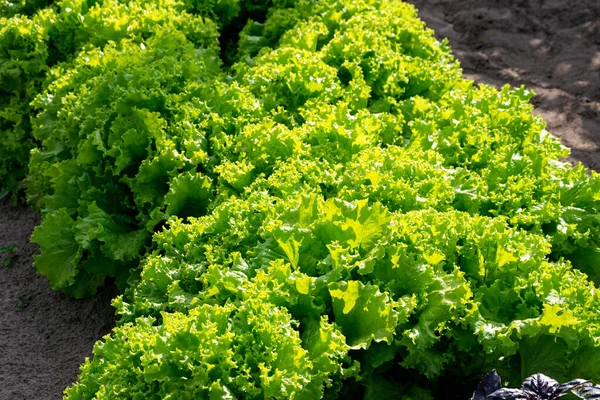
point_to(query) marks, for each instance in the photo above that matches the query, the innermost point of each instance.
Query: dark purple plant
(535, 387)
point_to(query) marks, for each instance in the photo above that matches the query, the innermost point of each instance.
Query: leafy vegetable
(39, 40)
(425, 219)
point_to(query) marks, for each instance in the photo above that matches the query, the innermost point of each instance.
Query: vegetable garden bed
(365, 214)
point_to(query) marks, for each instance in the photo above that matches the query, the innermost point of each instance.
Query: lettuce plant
(40, 39)
(127, 135)
(184, 148)
(427, 224)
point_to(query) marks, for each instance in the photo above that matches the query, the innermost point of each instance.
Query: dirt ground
(551, 46)
(44, 335)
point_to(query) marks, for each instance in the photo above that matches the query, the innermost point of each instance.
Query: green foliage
(339, 214)
(482, 294)
(124, 122)
(9, 254)
(424, 219)
(249, 349)
(108, 125)
(32, 43)
(9, 8)
(22, 67)
(38, 46)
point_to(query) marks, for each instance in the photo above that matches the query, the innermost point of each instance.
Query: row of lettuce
(299, 199)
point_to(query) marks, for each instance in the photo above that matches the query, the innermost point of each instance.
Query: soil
(44, 335)
(550, 46)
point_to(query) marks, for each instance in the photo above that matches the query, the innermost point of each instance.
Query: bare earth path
(551, 46)
(44, 336)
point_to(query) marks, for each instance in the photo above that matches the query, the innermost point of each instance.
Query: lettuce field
(297, 199)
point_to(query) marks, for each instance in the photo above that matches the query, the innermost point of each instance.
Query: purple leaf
(541, 385)
(587, 392)
(512, 394)
(488, 385)
(575, 385)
